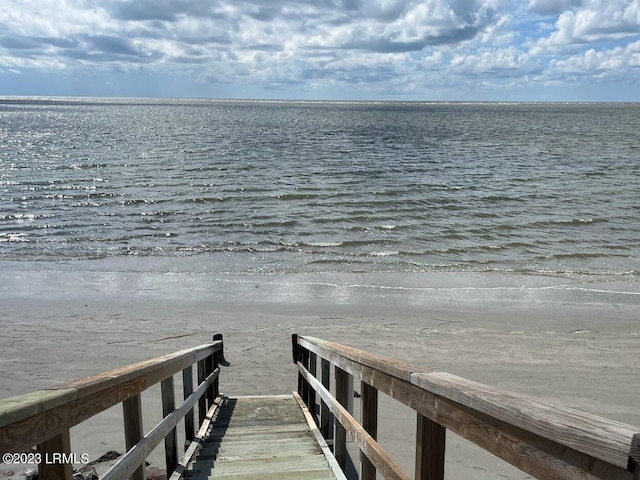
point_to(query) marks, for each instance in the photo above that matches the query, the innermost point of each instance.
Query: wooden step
(262, 437)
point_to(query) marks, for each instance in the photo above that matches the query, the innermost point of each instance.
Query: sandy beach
(571, 342)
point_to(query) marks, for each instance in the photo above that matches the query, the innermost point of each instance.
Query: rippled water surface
(346, 187)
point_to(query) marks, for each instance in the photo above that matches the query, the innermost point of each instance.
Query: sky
(429, 50)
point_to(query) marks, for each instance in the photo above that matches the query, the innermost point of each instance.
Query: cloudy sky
(538, 50)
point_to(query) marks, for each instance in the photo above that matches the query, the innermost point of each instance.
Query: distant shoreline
(62, 99)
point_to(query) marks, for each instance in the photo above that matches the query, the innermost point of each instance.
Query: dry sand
(572, 342)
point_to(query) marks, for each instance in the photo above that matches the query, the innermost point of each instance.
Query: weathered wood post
(302, 355)
(311, 401)
(218, 358)
(325, 415)
(171, 440)
(133, 429)
(58, 445)
(305, 385)
(187, 389)
(216, 337)
(295, 357)
(215, 388)
(430, 447)
(340, 437)
(208, 369)
(202, 401)
(634, 461)
(369, 411)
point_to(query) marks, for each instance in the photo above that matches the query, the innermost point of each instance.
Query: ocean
(321, 187)
(498, 242)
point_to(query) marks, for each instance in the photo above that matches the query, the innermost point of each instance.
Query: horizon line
(4, 97)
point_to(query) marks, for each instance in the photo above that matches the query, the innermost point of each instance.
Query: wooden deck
(266, 437)
(283, 437)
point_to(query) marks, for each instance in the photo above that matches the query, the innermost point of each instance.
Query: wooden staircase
(261, 437)
(276, 437)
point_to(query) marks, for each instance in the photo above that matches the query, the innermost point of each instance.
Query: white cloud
(552, 7)
(614, 61)
(497, 61)
(53, 18)
(391, 46)
(593, 21)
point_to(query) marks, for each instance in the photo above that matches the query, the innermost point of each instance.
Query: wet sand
(571, 342)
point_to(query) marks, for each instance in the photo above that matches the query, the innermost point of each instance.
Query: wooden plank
(133, 428)
(635, 448)
(264, 397)
(218, 358)
(218, 337)
(151, 371)
(288, 430)
(634, 453)
(171, 439)
(16, 408)
(391, 379)
(30, 419)
(340, 434)
(299, 450)
(196, 444)
(325, 349)
(325, 414)
(215, 389)
(208, 368)
(301, 453)
(23, 434)
(285, 465)
(369, 411)
(202, 403)
(311, 422)
(430, 449)
(320, 474)
(534, 455)
(129, 462)
(305, 386)
(383, 462)
(595, 436)
(295, 348)
(260, 441)
(311, 401)
(298, 353)
(187, 389)
(54, 468)
(283, 445)
(528, 452)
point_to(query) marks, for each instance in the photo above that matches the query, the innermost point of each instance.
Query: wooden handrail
(127, 464)
(543, 440)
(382, 461)
(43, 418)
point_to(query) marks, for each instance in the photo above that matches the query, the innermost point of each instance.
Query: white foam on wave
(13, 237)
(599, 290)
(323, 244)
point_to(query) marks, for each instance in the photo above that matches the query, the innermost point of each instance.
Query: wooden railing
(43, 418)
(545, 441)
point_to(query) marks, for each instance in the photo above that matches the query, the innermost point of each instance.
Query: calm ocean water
(249, 186)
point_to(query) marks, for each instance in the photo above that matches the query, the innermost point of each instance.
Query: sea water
(261, 187)
(311, 205)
